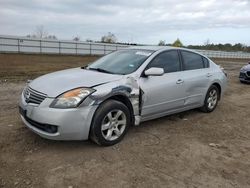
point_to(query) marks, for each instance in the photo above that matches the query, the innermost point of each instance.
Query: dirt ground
(191, 149)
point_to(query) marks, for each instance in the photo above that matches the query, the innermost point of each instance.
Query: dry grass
(20, 67)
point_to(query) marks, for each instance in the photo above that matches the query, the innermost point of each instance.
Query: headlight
(243, 69)
(72, 98)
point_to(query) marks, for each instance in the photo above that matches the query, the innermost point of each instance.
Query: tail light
(223, 70)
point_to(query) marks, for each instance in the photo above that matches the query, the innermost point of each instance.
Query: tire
(110, 123)
(211, 100)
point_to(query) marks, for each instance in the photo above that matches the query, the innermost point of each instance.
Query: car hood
(56, 83)
(247, 67)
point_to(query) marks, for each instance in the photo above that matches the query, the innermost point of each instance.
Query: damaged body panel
(127, 87)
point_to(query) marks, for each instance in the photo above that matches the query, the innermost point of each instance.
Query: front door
(166, 93)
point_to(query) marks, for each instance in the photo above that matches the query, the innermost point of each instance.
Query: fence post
(104, 49)
(90, 48)
(18, 45)
(40, 46)
(60, 47)
(76, 48)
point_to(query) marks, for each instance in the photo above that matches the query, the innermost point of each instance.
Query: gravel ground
(191, 149)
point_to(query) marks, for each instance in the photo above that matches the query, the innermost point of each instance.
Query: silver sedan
(102, 100)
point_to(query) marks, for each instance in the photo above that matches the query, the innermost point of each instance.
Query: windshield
(121, 62)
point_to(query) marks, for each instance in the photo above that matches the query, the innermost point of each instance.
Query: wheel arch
(126, 101)
(123, 98)
(216, 84)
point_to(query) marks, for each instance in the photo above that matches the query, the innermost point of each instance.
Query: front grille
(33, 96)
(248, 73)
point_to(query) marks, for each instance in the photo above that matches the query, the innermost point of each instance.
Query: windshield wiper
(100, 70)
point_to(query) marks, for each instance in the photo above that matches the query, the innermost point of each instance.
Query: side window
(169, 61)
(206, 62)
(192, 61)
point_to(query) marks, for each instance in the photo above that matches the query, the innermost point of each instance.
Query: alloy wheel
(113, 125)
(212, 99)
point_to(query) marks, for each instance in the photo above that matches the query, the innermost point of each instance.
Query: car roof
(162, 48)
(155, 48)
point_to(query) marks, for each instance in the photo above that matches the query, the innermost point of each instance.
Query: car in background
(245, 74)
(102, 100)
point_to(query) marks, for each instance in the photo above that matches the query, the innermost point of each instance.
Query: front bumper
(244, 77)
(67, 124)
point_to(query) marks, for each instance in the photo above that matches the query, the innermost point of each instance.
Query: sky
(133, 21)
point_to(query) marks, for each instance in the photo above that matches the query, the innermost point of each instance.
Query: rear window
(206, 62)
(192, 61)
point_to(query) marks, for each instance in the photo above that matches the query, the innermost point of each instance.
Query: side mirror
(154, 71)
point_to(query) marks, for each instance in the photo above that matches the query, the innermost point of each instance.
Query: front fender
(126, 87)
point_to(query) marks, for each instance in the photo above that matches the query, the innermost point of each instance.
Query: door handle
(209, 75)
(180, 81)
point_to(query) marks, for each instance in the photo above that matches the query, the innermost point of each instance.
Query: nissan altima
(124, 88)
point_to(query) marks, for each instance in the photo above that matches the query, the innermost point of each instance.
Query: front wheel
(110, 123)
(211, 99)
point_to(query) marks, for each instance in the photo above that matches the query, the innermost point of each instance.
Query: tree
(207, 42)
(109, 38)
(89, 40)
(31, 36)
(222, 47)
(52, 37)
(76, 38)
(162, 43)
(41, 33)
(177, 43)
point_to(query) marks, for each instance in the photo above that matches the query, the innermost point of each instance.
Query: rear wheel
(110, 123)
(211, 99)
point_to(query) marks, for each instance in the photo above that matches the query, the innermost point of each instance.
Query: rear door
(165, 93)
(196, 74)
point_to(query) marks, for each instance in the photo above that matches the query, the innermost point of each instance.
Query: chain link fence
(14, 44)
